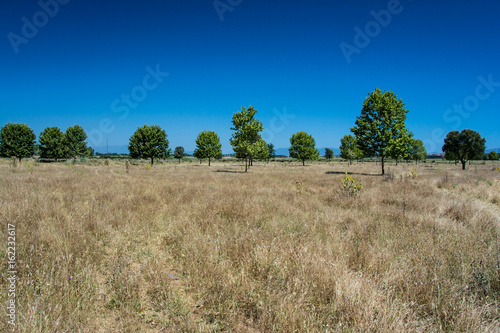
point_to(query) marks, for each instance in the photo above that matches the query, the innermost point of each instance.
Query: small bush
(349, 186)
(413, 173)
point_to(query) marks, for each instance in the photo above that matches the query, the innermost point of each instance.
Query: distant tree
(328, 153)
(219, 156)
(259, 150)
(179, 153)
(464, 146)
(90, 152)
(303, 147)
(149, 142)
(381, 127)
(52, 143)
(400, 147)
(246, 133)
(450, 156)
(17, 140)
(349, 149)
(272, 152)
(208, 146)
(417, 150)
(74, 141)
(493, 155)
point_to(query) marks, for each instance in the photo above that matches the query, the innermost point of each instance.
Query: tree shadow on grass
(352, 173)
(229, 171)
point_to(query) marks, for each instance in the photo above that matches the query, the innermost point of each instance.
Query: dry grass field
(192, 248)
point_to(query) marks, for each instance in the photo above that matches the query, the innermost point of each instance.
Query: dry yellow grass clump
(210, 249)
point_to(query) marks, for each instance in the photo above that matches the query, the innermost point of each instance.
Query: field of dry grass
(180, 248)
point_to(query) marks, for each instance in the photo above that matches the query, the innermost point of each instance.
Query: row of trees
(19, 140)
(380, 131)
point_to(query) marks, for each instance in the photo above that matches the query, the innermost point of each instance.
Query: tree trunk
(209, 161)
(303, 162)
(246, 164)
(179, 161)
(200, 160)
(382, 162)
(463, 164)
(152, 161)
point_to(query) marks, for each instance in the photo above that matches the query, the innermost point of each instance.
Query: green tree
(417, 150)
(380, 130)
(52, 143)
(450, 156)
(464, 146)
(179, 153)
(493, 155)
(246, 133)
(17, 140)
(74, 140)
(400, 147)
(90, 152)
(328, 153)
(259, 150)
(349, 149)
(149, 142)
(208, 146)
(303, 147)
(272, 152)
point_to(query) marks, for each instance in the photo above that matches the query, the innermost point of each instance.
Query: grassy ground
(191, 248)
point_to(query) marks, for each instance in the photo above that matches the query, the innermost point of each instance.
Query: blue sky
(188, 65)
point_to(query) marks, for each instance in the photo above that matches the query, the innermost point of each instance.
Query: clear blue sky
(304, 65)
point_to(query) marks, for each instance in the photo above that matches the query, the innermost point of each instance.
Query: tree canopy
(246, 133)
(259, 150)
(149, 142)
(17, 140)
(381, 130)
(464, 146)
(272, 152)
(492, 155)
(52, 143)
(179, 153)
(349, 149)
(328, 153)
(208, 146)
(417, 150)
(74, 140)
(303, 147)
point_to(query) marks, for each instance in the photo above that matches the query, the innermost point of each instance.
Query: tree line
(19, 140)
(379, 131)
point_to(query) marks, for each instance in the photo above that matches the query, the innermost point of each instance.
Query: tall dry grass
(192, 248)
